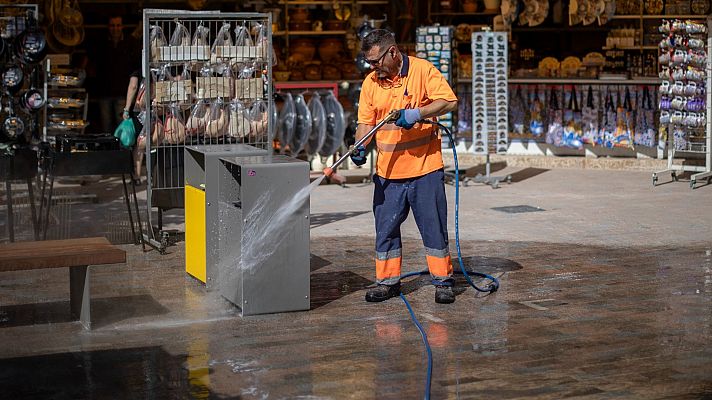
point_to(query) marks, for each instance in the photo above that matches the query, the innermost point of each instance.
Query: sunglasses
(379, 59)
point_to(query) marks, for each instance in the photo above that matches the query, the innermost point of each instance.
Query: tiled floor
(605, 293)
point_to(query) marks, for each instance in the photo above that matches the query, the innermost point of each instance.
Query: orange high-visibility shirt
(405, 153)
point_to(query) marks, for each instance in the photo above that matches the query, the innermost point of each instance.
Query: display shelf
(322, 81)
(331, 85)
(581, 81)
(328, 2)
(464, 14)
(576, 28)
(647, 47)
(309, 33)
(657, 16)
(688, 16)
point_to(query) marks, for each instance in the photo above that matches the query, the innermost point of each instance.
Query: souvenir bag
(645, 128)
(605, 137)
(517, 111)
(589, 119)
(174, 127)
(239, 125)
(536, 117)
(197, 119)
(572, 132)
(258, 114)
(555, 131)
(216, 122)
(625, 121)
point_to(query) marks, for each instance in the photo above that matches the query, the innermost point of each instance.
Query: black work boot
(444, 294)
(382, 292)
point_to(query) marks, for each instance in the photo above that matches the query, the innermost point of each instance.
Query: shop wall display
(685, 94)
(490, 98)
(436, 44)
(607, 115)
(22, 48)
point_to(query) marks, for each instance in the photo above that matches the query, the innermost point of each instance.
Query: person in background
(116, 57)
(409, 172)
(129, 112)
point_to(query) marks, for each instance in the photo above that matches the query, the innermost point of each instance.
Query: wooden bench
(75, 254)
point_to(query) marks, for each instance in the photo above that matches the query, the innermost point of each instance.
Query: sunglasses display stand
(685, 97)
(436, 44)
(490, 100)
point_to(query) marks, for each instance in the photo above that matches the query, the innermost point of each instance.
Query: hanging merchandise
(335, 126)
(217, 119)
(174, 126)
(536, 116)
(510, 11)
(239, 125)
(490, 96)
(572, 132)
(555, 132)
(201, 36)
(682, 103)
(197, 119)
(318, 133)
(13, 126)
(31, 45)
(259, 124)
(622, 136)
(608, 13)
(180, 35)
(287, 121)
(157, 40)
(535, 12)
(12, 78)
(645, 126)
(608, 127)
(517, 112)
(303, 126)
(589, 117)
(574, 17)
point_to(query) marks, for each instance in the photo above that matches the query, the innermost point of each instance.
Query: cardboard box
(237, 53)
(212, 87)
(173, 91)
(183, 53)
(251, 88)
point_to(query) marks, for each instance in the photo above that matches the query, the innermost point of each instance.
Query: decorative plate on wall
(700, 6)
(654, 6)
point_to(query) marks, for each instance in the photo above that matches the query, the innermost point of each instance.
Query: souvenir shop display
(490, 95)
(685, 94)
(436, 44)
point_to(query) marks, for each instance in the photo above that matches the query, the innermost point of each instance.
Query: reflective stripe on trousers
(392, 201)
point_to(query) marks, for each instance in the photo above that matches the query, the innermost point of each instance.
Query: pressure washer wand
(389, 118)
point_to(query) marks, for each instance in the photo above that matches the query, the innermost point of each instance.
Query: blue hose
(427, 347)
(491, 288)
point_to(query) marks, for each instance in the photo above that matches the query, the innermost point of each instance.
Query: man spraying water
(409, 172)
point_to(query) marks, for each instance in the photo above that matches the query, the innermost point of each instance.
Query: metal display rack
(204, 91)
(490, 100)
(689, 130)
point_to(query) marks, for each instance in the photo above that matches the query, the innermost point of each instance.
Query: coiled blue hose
(491, 288)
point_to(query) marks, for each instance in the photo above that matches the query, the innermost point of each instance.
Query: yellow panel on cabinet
(195, 232)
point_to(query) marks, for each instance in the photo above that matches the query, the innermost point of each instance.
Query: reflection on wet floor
(568, 321)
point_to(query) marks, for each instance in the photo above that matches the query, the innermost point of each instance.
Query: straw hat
(67, 27)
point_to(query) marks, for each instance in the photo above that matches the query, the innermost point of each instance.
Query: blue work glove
(358, 155)
(408, 117)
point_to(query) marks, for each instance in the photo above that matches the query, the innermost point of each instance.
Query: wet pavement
(605, 293)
